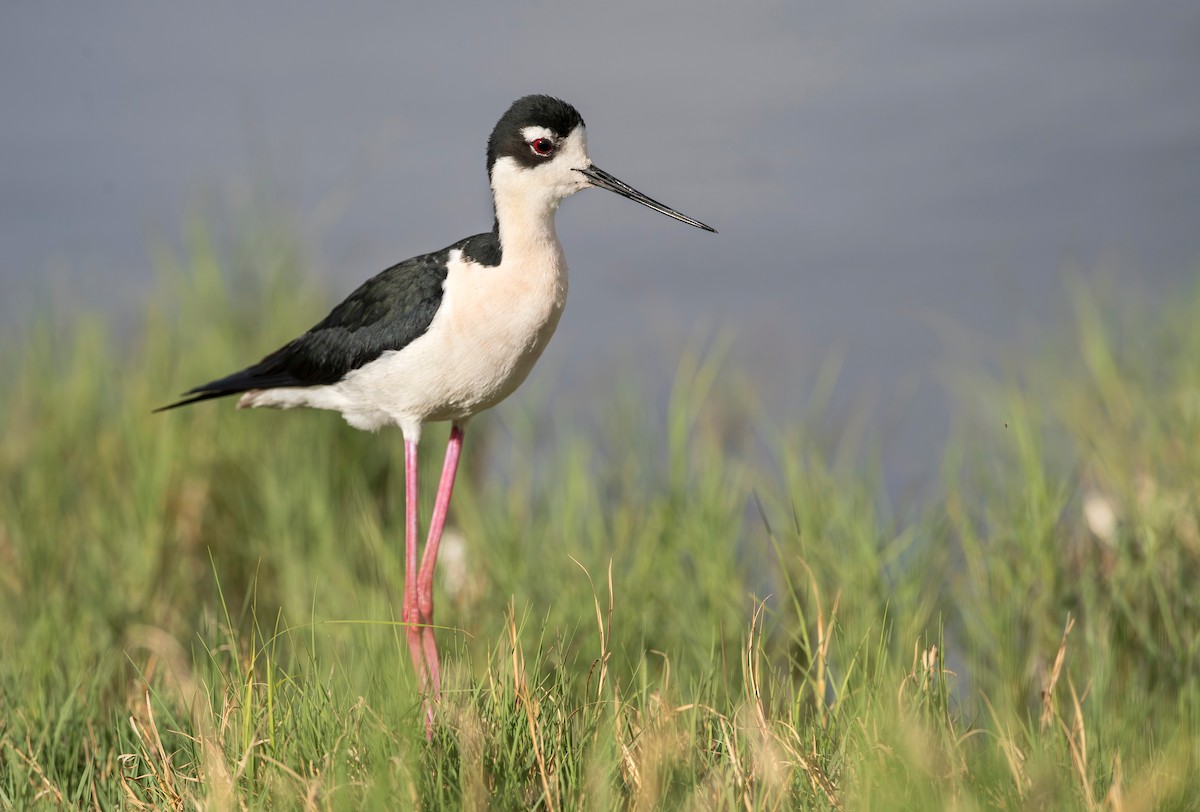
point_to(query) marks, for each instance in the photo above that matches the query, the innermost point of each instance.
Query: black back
(386, 313)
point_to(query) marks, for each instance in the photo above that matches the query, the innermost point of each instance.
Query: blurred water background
(891, 182)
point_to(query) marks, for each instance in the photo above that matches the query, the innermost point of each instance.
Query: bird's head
(537, 155)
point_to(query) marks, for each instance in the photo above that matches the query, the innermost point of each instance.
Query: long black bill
(603, 180)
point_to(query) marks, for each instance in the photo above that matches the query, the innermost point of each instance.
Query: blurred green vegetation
(201, 607)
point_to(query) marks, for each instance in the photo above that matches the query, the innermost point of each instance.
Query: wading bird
(444, 336)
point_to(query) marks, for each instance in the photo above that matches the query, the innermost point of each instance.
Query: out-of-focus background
(886, 178)
(884, 497)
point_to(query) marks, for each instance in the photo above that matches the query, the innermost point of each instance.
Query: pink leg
(412, 615)
(429, 560)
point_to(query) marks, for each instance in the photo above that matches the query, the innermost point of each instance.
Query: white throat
(524, 210)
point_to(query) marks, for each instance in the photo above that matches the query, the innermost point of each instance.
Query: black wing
(385, 313)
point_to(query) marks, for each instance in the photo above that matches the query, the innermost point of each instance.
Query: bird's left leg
(429, 560)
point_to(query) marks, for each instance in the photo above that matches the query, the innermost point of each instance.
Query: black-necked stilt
(445, 335)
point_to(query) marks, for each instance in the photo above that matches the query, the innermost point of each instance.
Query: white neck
(526, 225)
(525, 214)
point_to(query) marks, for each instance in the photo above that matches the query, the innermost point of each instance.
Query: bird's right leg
(412, 612)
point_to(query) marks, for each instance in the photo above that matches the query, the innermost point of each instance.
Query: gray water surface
(874, 169)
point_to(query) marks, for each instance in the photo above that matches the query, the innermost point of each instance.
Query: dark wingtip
(191, 400)
(174, 405)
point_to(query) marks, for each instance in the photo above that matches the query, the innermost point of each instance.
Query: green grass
(201, 608)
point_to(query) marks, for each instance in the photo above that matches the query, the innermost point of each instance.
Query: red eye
(542, 146)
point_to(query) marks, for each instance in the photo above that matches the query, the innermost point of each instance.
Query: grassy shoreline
(202, 609)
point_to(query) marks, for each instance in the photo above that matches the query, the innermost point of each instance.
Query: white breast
(491, 327)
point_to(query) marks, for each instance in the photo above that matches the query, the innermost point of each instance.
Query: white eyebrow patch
(532, 132)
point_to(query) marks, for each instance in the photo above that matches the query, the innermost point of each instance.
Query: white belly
(491, 327)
